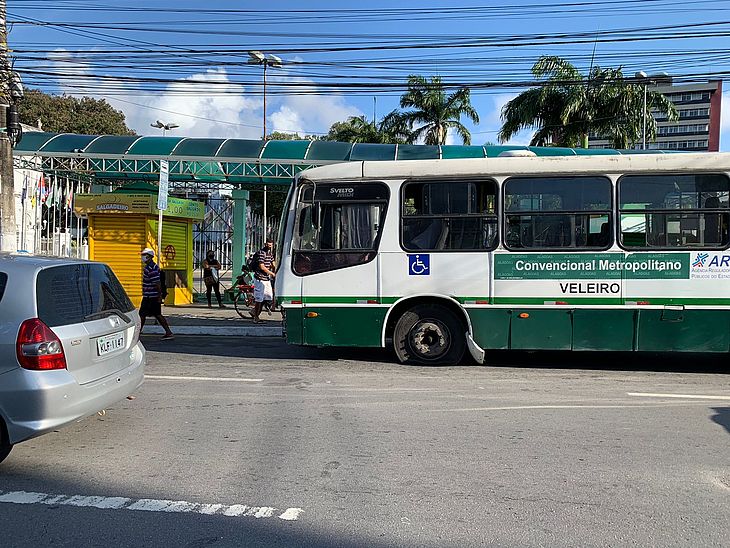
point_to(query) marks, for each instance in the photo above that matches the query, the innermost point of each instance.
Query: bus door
(339, 226)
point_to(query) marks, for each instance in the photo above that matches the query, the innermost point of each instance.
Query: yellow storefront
(121, 225)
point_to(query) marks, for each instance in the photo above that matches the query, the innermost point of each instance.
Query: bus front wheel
(429, 334)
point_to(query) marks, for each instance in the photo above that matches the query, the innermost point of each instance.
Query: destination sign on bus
(591, 266)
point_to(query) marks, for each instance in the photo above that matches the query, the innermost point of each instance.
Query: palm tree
(567, 107)
(434, 111)
(357, 129)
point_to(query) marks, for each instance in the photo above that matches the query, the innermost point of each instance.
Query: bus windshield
(337, 225)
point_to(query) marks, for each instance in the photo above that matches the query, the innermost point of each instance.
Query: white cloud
(494, 118)
(307, 113)
(452, 138)
(227, 114)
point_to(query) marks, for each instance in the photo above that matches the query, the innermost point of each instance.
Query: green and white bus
(440, 257)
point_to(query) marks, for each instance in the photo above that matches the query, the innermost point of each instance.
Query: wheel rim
(429, 339)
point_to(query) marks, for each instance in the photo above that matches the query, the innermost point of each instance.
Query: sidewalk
(198, 319)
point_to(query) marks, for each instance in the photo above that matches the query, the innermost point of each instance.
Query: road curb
(272, 331)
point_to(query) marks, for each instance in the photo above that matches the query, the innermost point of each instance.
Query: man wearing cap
(152, 293)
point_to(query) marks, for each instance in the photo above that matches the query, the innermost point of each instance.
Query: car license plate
(109, 343)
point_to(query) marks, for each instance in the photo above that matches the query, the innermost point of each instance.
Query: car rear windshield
(76, 293)
(3, 283)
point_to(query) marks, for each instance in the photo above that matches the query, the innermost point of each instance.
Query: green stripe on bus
(521, 301)
(563, 299)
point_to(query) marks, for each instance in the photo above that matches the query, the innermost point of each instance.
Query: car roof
(10, 260)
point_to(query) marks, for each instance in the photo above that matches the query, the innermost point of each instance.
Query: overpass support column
(240, 205)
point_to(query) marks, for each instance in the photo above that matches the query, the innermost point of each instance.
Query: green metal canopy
(236, 161)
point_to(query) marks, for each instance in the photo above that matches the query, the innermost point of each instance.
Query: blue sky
(147, 65)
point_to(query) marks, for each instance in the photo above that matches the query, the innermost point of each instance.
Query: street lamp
(266, 61)
(646, 79)
(164, 127)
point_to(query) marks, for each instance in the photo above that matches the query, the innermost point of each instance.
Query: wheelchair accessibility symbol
(419, 265)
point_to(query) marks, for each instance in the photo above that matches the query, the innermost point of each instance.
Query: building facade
(698, 127)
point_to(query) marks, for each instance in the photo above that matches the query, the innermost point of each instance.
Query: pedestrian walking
(152, 293)
(263, 275)
(211, 278)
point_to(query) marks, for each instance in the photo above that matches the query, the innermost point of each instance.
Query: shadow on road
(613, 361)
(274, 348)
(722, 417)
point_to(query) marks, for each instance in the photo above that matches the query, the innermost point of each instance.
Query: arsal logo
(703, 260)
(700, 260)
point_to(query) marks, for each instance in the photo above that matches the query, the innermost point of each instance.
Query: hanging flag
(42, 189)
(52, 198)
(24, 194)
(51, 192)
(69, 194)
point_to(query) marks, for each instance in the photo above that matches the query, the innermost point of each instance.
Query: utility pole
(8, 227)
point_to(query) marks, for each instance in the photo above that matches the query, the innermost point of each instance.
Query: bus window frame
(619, 211)
(446, 180)
(385, 202)
(611, 211)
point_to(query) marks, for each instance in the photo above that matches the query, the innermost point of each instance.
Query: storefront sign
(144, 204)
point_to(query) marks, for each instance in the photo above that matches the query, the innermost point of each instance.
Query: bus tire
(429, 334)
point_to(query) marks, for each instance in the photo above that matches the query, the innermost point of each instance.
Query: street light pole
(265, 64)
(266, 61)
(658, 78)
(643, 133)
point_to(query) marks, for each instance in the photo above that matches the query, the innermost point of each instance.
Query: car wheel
(5, 445)
(429, 335)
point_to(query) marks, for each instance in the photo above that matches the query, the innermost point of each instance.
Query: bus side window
(558, 212)
(449, 215)
(673, 211)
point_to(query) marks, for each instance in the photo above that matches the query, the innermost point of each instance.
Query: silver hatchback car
(69, 344)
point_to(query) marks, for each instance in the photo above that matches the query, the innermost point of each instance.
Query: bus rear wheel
(429, 334)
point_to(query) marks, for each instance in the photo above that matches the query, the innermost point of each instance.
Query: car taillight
(38, 347)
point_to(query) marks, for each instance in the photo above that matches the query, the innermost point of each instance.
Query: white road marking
(21, 497)
(216, 379)
(679, 396)
(291, 514)
(148, 505)
(521, 407)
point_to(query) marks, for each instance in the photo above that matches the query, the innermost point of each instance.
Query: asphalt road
(345, 448)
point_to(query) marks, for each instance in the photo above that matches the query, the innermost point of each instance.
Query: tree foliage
(357, 129)
(282, 136)
(67, 114)
(433, 111)
(567, 107)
